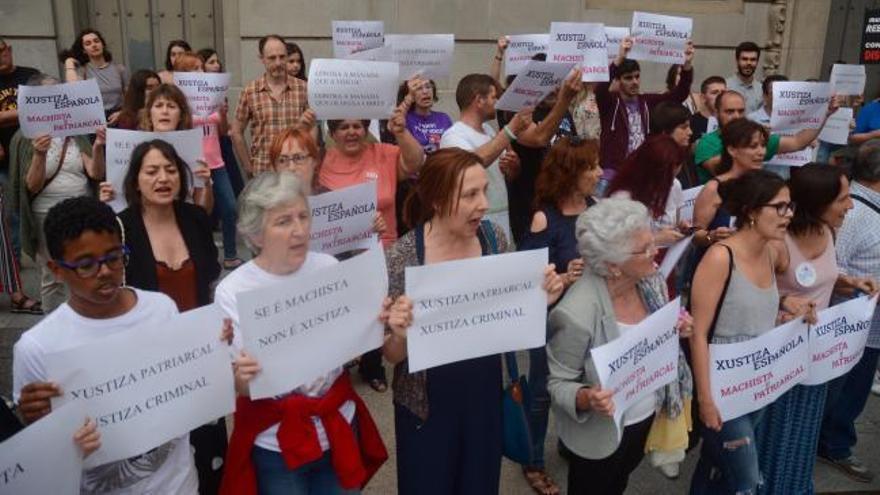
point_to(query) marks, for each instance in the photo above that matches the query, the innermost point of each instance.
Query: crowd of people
(595, 173)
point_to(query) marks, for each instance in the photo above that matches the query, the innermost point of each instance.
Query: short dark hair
(813, 188)
(704, 86)
(738, 133)
(727, 92)
(628, 66)
(473, 85)
(668, 115)
(767, 83)
(171, 44)
(334, 124)
(265, 39)
(748, 193)
(130, 183)
(67, 220)
(867, 164)
(748, 46)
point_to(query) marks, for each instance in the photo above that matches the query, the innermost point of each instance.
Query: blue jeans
(539, 413)
(224, 198)
(231, 165)
(274, 477)
(847, 396)
(729, 458)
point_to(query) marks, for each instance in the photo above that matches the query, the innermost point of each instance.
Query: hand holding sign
(35, 400)
(596, 399)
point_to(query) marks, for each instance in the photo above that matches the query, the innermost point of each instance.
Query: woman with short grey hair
(620, 287)
(273, 442)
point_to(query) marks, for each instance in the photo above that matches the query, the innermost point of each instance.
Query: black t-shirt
(8, 101)
(699, 124)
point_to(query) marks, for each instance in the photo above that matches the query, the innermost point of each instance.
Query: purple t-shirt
(428, 129)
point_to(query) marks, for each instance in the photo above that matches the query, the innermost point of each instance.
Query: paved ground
(645, 480)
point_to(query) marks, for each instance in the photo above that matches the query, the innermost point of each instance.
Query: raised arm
(805, 137)
(495, 68)
(539, 135)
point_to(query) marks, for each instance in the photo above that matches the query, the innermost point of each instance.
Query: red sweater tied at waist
(355, 458)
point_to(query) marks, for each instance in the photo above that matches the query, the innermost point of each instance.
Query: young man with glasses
(84, 241)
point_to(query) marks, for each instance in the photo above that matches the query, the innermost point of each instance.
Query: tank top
(747, 311)
(813, 279)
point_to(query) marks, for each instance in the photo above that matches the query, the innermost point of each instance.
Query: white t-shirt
(644, 408)
(760, 116)
(248, 277)
(71, 180)
(168, 468)
(463, 136)
(673, 202)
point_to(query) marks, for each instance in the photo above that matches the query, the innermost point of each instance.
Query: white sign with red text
(205, 92)
(342, 220)
(533, 84)
(583, 44)
(838, 339)
(660, 38)
(520, 50)
(60, 110)
(356, 36)
(614, 37)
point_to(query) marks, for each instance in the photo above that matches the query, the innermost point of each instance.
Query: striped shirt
(858, 246)
(268, 116)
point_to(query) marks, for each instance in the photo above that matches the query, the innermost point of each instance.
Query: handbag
(515, 404)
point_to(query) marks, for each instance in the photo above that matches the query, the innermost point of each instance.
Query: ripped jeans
(729, 458)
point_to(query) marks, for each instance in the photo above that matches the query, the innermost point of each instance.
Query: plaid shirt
(268, 116)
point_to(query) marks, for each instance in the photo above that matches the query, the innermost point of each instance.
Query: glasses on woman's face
(89, 267)
(647, 253)
(782, 207)
(295, 160)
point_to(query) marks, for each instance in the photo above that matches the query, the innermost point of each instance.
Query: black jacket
(195, 225)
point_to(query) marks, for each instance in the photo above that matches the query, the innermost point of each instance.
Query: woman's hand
(203, 172)
(552, 284)
(114, 117)
(41, 144)
(105, 192)
(379, 225)
(667, 236)
(101, 135)
(867, 285)
(398, 316)
(87, 437)
(509, 164)
(574, 271)
(685, 324)
(308, 119)
(794, 306)
(36, 400)
(595, 399)
(226, 332)
(501, 45)
(710, 416)
(397, 122)
(245, 368)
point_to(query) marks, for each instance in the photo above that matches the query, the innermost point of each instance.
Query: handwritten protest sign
(355, 36)
(425, 55)
(520, 50)
(352, 89)
(304, 328)
(205, 92)
(536, 81)
(458, 316)
(147, 386)
(674, 254)
(686, 210)
(639, 361)
(43, 458)
(749, 375)
(837, 340)
(342, 220)
(614, 37)
(60, 110)
(660, 38)
(836, 130)
(120, 144)
(583, 44)
(847, 79)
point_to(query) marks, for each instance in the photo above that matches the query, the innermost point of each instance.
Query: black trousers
(609, 476)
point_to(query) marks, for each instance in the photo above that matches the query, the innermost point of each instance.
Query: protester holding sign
(745, 81)
(447, 419)
(619, 288)
(288, 441)
(84, 241)
(175, 49)
(88, 58)
(867, 124)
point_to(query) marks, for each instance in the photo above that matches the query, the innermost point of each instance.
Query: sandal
(378, 385)
(26, 305)
(232, 264)
(540, 481)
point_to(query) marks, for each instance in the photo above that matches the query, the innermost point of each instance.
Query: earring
(752, 222)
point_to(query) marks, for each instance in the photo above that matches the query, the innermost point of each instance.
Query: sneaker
(851, 467)
(875, 388)
(671, 470)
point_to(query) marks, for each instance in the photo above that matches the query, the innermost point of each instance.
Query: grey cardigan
(582, 320)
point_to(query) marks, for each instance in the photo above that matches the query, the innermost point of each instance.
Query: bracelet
(510, 135)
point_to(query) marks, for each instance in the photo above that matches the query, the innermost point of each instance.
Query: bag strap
(512, 367)
(865, 202)
(489, 234)
(723, 292)
(57, 170)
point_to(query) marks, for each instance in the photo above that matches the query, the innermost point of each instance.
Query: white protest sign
(304, 328)
(352, 89)
(837, 340)
(674, 254)
(747, 376)
(380, 54)
(799, 105)
(640, 360)
(458, 316)
(205, 91)
(342, 220)
(660, 38)
(580, 43)
(60, 110)
(43, 458)
(120, 144)
(148, 385)
(520, 50)
(689, 199)
(355, 36)
(425, 55)
(533, 84)
(614, 37)
(848, 79)
(792, 158)
(836, 130)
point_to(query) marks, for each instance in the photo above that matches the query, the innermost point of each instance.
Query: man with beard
(710, 88)
(743, 82)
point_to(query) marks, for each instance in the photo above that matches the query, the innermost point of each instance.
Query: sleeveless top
(559, 237)
(813, 279)
(180, 285)
(747, 310)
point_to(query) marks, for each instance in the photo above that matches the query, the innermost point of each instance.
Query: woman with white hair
(620, 287)
(284, 444)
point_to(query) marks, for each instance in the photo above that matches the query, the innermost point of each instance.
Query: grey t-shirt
(112, 81)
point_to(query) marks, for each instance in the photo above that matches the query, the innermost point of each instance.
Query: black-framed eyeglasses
(782, 207)
(89, 267)
(297, 160)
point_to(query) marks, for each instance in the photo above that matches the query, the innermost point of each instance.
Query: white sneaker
(875, 388)
(670, 470)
